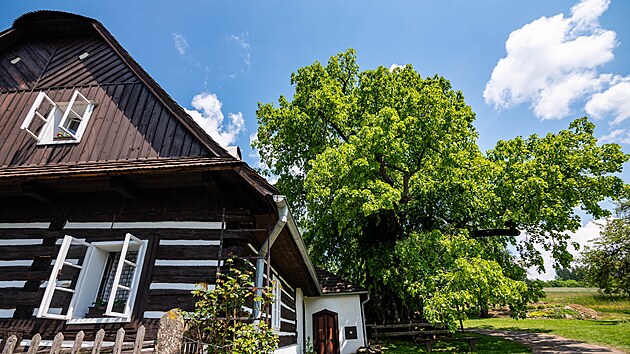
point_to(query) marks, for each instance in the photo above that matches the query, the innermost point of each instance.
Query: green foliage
(308, 348)
(576, 272)
(220, 321)
(446, 276)
(373, 159)
(608, 262)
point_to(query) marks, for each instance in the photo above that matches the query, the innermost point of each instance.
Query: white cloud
(614, 101)
(553, 61)
(208, 114)
(245, 47)
(619, 136)
(583, 236)
(181, 44)
(395, 66)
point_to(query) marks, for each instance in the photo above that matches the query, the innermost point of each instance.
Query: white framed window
(88, 277)
(276, 305)
(51, 122)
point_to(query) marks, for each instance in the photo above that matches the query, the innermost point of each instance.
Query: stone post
(170, 333)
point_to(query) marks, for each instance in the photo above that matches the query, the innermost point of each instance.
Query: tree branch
(334, 126)
(495, 232)
(405, 195)
(382, 170)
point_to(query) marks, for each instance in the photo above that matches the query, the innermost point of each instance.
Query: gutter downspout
(365, 338)
(283, 216)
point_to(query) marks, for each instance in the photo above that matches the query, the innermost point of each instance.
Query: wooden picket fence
(137, 347)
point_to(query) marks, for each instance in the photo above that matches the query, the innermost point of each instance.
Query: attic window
(83, 55)
(15, 60)
(51, 122)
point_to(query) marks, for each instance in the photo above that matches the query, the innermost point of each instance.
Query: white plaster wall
(348, 308)
(291, 349)
(299, 317)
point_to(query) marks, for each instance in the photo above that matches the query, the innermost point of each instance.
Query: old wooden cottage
(114, 203)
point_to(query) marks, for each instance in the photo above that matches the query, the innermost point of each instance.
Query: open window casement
(85, 275)
(65, 280)
(74, 118)
(126, 278)
(39, 116)
(51, 122)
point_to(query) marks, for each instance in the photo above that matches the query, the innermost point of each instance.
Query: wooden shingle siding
(24, 74)
(128, 123)
(101, 66)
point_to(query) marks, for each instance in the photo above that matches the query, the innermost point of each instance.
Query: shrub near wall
(220, 320)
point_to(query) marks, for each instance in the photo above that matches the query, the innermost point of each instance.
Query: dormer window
(51, 122)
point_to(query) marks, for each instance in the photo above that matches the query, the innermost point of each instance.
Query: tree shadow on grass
(515, 329)
(608, 323)
(485, 344)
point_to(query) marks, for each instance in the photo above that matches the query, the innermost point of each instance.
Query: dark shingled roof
(332, 284)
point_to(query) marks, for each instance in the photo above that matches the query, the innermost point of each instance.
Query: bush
(220, 321)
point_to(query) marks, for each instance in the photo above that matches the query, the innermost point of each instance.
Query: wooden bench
(426, 333)
(413, 330)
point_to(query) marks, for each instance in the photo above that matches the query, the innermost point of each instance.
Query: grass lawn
(485, 344)
(608, 333)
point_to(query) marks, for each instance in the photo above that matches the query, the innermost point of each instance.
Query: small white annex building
(341, 307)
(333, 323)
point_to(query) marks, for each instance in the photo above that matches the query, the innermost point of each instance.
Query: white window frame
(56, 271)
(47, 134)
(276, 305)
(134, 279)
(88, 111)
(90, 271)
(33, 113)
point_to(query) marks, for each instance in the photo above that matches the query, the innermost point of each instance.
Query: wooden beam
(37, 192)
(124, 187)
(211, 183)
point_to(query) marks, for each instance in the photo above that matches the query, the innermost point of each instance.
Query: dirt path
(548, 343)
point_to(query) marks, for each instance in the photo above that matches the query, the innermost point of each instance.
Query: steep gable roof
(134, 119)
(332, 284)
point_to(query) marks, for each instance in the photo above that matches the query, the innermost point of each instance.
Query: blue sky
(566, 58)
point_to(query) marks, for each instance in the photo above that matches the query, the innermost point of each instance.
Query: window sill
(98, 320)
(56, 142)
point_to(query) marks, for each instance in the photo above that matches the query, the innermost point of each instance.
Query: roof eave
(297, 238)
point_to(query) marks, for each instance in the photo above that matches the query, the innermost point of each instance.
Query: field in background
(607, 307)
(569, 312)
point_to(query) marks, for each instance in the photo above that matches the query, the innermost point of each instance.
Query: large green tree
(371, 159)
(607, 263)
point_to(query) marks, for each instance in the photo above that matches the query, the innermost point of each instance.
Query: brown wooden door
(326, 332)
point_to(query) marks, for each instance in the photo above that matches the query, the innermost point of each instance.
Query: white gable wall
(347, 307)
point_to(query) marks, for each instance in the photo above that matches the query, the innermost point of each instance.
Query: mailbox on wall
(351, 332)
